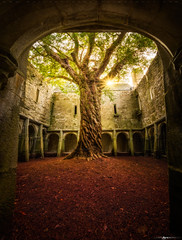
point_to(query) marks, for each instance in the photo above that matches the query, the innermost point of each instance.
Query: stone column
(27, 140)
(173, 100)
(131, 143)
(9, 123)
(60, 143)
(114, 142)
(41, 141)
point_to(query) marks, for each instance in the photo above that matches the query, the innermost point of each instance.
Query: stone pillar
(60, 143)
(41, 141)
(9, 123)
(146, 144)
(27, 140)
(156, 152)
(114, 142)
(173, 99)
(131, 143)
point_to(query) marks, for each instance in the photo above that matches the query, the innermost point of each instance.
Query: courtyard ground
(117, 198)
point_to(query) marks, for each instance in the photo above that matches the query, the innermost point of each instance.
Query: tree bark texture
(90, 143)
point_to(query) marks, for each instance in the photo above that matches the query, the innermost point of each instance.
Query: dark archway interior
(122, 143)
(31, 139)
(106, 143)
(138, 143)
(53, 143)
(162, 139)
(70, 142)
(151, 140)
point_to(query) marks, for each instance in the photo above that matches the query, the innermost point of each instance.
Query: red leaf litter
(118, 198)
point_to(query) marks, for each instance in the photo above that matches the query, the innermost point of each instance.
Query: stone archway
(32, 139)
(122, 144)
(138, 144)
(53, 140)
(151, 140)
(23, 22)
(106, 143)
(70, 142)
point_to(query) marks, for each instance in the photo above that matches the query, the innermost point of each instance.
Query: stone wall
(63, 111)
(36, 98)
(121, 112)
(118, 112)
(151, 93)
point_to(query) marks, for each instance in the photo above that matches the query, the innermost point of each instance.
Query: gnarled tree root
(90, 157)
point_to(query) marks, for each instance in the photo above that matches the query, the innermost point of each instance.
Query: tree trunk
(90, 143)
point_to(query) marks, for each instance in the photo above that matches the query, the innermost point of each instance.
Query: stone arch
(53, 140)
(162, 139)
(33, 21)
(122, 143)
(44, 135)
(71, 16)
(107, 145)
(70, 142)
(32, 139)
(138, 144)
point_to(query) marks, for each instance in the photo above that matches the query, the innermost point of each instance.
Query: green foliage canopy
(134, 52)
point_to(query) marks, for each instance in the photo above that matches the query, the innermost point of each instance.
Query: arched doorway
(122, 144)
(32, 140)
(70, 142)
(151, 140)
(53, 140)
(162, 140)
(106, 143)
(44, 133)
(138, 144)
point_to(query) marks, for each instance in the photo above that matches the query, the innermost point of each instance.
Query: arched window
(32, 139)
(138, 143)
(53, 143)
(70, 142)
(151, 140)
(122, 143)
(106, 143)
(152, 93)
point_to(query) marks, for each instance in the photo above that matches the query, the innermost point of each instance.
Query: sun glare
(109, 83)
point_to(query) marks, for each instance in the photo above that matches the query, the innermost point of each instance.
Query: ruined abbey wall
(151, 94)
(123, 108)
(36, 98)
(118, 111)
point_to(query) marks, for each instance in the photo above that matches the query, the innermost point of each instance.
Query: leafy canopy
(135, 52)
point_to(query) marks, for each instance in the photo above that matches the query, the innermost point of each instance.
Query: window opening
(37, 95)
(115, 109)
(75, 109)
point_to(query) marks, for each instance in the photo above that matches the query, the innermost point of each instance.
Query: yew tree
(89, 60)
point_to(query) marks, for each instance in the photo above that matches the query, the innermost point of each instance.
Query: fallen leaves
(23, 213)
(119, 198)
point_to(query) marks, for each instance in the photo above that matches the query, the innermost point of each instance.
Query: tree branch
(89, 50)
(61, 76)
(108, 54)
(60, 52)
(63, 62)
(76, 48)
(115, 69)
